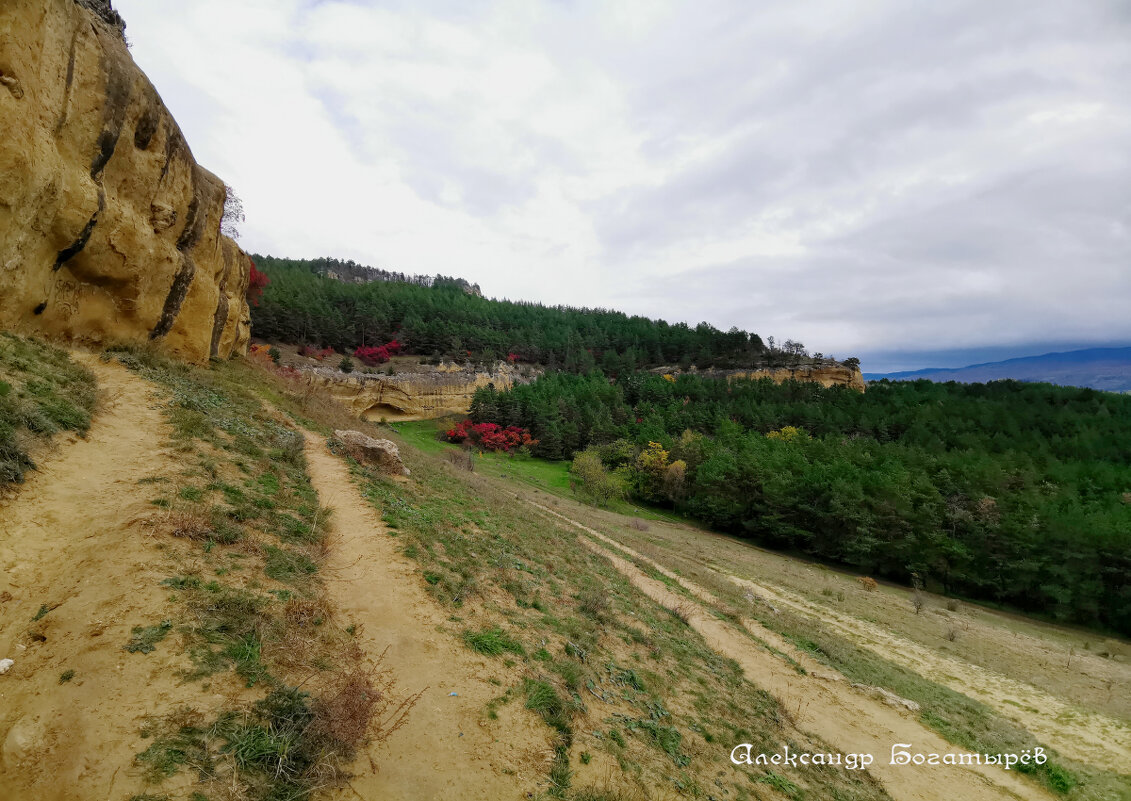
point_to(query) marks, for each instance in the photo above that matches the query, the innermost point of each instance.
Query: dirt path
(67, 544)
(1080, 734)
(447, 749)
(849, 721)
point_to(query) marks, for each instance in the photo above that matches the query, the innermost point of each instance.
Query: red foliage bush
(379, 354)
(256, 284)
(490, 436)
(372, 355)
(314, 353)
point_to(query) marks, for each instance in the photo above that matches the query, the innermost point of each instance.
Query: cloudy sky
(913, 183)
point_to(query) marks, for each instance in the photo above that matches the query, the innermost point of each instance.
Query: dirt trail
(447, 749)
(1080, 734)
(67, 543)
(849, 721)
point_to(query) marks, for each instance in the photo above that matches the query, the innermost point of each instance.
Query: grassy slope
(42, 392)
(639, 702)
(961, 720)
(542, 474)
(245, 536)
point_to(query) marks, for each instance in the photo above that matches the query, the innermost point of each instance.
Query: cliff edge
(421, 395)
(109, 229)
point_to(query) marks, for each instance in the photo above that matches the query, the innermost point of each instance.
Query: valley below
(519, 642)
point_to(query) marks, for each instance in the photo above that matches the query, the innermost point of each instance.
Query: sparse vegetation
(957, 717)
(42, 392)
(247, 536)
(145, 638)
(599, 656)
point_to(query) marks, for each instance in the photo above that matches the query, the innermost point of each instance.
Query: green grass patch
(145, 638)
(287, 566)
(42, 393)
(492, 642)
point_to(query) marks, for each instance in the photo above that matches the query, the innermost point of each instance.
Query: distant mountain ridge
(1108, 369)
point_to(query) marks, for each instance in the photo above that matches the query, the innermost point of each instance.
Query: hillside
(1007, 492)
(1108, 369)
(419, 544)
(295, 620)
(441, 318)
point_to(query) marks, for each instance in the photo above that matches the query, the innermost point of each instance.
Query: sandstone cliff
(411, 396)
(109, 229)
(827, 375)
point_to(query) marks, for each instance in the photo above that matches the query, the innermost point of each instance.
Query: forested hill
(1010, 492)
(439, 317)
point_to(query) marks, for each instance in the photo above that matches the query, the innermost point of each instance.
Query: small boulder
(367, 450)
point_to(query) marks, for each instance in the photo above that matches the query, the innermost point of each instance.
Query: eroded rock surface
(412, 396)
(380, 452)
(829, 374)
(109, 229)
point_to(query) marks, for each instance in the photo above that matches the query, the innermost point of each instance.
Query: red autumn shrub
(372, 355)
(377, 354)
(314, 353)
(490, 436)
(255, 285)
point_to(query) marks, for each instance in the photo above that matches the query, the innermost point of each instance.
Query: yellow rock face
(410, 396)
(825, 375)
(109, 229)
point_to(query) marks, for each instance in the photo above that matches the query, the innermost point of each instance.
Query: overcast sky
(886, 179)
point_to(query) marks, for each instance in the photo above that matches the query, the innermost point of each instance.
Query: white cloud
(860, 177)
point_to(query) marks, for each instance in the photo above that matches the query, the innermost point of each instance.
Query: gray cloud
(864, 177)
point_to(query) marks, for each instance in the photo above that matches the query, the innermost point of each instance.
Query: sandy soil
(1087, 736)
(1035, 674)
(850, 721)
(67, 542)
(448, 748)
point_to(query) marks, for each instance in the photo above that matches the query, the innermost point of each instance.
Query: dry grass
(462, 459)
(682, 611)
(184, 524)
(362, 705)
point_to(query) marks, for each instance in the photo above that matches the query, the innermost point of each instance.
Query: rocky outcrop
(412, 396)
(826, 374)
(380, 452)
(109, 229)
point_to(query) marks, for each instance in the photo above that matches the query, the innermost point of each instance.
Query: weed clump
(492, 642)
(145, 638)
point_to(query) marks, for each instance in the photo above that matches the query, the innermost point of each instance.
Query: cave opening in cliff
(379, 412)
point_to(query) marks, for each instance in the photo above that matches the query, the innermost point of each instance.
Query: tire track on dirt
(1078, 734)
(849, 721)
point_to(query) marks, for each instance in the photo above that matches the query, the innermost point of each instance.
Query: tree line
(1014, 493)
(443, 317)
